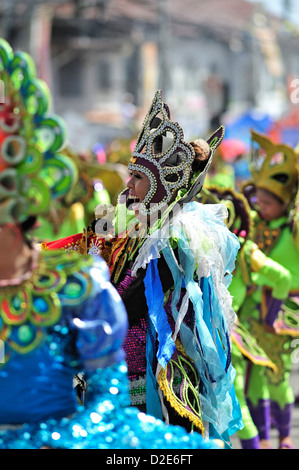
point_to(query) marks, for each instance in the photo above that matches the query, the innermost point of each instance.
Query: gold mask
(273, 166)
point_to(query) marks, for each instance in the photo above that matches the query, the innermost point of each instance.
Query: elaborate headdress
(32, 172)
(163, 155)
(273, 167)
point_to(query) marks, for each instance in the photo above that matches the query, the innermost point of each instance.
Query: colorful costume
(62, 315)
(248, 344)
(82, 329)
(274, 296)
(245, 348)
(172, 276)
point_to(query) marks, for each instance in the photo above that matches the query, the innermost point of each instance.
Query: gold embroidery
(181, 364)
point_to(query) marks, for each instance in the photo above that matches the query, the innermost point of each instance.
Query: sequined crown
(273, 166)
(163, 155)
(32, 172)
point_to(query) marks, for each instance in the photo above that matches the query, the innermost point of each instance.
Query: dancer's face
(270, 207)
(139, 186)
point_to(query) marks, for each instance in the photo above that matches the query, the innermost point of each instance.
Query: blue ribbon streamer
(153, 404)
(155, 298)
(211, 359)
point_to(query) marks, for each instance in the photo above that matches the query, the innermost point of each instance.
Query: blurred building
(104, 59)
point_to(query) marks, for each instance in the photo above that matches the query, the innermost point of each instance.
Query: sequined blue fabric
(106, 422)
(88, 335)
(38, 406)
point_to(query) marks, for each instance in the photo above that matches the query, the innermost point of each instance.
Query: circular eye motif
(32, 162)
(10, 120)
(51, 133)
(22, 69)
(25, 338)
(76, 290)
(38, 197)
(8, 183)
(6, 54)
(46, 310)
(37, 97)
(49, 281)
(15, 308)
(13, 149)
(59, 173)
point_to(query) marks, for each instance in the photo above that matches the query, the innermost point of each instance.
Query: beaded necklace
(119, 252)
(267, 237)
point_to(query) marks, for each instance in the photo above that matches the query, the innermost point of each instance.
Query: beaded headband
(163, 155)
(32, 172)
(273, 166)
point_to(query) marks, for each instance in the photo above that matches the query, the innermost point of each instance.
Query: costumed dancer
(59, 313)
(251, 262)
(271, 307)
(171, 259)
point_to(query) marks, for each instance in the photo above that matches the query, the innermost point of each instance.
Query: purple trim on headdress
(160, 192)
(216, 138)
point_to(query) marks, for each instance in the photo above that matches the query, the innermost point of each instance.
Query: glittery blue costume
(75, 322)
